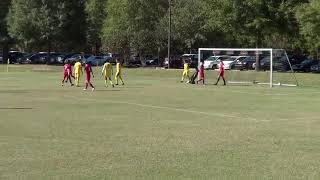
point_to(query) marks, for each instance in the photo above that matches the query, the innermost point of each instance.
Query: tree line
(141, 26)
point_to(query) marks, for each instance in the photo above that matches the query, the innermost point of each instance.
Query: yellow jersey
(186, 67)
(107, 68)
(118, 67)
(77, 67)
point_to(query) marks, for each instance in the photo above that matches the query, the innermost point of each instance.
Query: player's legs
(221, 76)
(87, 81)
(117, 77)
(111, 81)
(224, 81)
(120, 77)
(64, 78)
(187, 74)
(106, 80)
(77, 79)
(69, 78)
(183, 75)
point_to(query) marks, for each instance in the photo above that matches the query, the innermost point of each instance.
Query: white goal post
(268, 50)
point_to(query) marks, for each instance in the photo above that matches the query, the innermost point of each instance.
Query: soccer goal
(253, 66)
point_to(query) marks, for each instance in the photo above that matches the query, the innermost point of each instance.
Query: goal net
(254, 66)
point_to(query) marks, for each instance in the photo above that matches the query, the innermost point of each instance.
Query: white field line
(223, 115)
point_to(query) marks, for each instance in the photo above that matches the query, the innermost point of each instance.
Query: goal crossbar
(270, 50)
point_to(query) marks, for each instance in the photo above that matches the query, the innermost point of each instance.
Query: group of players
(107, 72)
(200, 72)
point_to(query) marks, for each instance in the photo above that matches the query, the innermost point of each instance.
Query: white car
(228, 63)
(213, 61)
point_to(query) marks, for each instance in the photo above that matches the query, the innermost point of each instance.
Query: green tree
(4, 37)
(116, 30)
(144, 22)
(189, 23)
(308, 16)
(96, 13)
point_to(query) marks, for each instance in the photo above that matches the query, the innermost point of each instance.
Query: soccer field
(155, 128)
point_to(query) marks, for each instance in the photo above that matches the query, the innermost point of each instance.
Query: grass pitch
(155, 128)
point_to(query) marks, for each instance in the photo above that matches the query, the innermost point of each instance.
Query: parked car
(192, 58)
(152, 62)
(304, 66)
(96, 60)
(230, 62)
(24, 58)
(37, 58)
(213, 61)
(315, 68)
(134, 63)
(175, 62)
(279, 64)
(14, 56)
(74, 58)
(246, 63)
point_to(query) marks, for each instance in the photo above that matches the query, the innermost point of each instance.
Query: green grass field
(156, 128)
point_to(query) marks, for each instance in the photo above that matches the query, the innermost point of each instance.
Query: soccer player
(107, 71)
(185, 71)
(78, 71)
(118, 73)
(221, 74)
(201, 73)
(67, 73)
(194, 76)
(88, 71)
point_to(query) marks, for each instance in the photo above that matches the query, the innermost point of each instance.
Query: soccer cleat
(92, 89)
(113, 85)
(72, 84)
(84, 89)
(122, 84)
(117, 84)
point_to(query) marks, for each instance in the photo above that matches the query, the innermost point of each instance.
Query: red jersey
(221, 69)
(67, 69)
(87, 70)
(201, 72)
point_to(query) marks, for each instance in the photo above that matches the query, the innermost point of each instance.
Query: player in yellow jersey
(107, 72)
(118, 73)
(78, 71)
(185, 71)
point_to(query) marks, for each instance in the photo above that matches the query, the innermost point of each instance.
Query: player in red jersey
(88, 71)
(67, 73)
(221, 74)
(201, 73)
